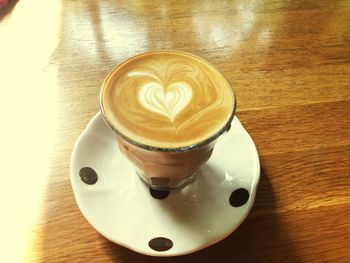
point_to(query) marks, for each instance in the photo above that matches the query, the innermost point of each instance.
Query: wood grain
(299, 128)
(289, 64)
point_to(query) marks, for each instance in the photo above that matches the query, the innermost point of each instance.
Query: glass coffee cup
(167, 109)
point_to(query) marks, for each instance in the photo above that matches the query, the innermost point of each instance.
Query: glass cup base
(165, 184)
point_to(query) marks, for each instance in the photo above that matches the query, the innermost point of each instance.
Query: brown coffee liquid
(167, 99)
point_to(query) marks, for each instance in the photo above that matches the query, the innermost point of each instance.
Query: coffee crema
(167, 99)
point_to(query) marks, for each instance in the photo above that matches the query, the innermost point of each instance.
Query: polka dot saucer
(124, 210)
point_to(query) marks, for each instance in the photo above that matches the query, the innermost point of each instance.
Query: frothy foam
(167, 99)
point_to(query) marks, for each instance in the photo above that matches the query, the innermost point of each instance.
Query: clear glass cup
(166, 168)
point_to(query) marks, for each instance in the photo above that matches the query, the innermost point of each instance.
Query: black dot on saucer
(160, 244)
(88, 175)
(239, 197)
(159, 194)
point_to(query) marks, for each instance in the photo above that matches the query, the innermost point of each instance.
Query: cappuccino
(167, 99)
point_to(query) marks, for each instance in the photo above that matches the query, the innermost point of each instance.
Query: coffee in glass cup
(167, 108)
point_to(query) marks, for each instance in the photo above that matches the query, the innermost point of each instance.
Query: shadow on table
(261, 238)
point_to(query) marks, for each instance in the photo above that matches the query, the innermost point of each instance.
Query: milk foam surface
(167, 99)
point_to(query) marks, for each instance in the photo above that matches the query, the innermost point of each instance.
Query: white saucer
(120, 206)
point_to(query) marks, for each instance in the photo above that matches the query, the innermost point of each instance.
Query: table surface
(289, 64)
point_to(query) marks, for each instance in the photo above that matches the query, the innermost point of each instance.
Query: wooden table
(289, 63)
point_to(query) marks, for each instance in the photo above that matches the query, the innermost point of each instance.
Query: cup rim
(166, 149)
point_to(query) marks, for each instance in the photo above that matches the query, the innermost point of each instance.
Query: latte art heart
(168, 101)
